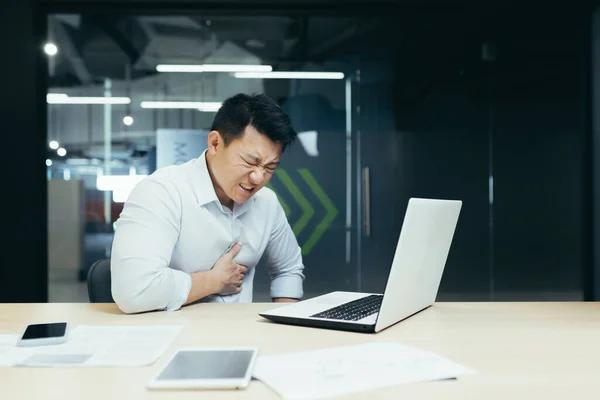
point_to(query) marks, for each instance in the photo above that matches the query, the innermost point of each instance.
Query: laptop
(412, 283)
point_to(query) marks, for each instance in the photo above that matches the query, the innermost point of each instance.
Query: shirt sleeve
(146, 233)
(284, 258)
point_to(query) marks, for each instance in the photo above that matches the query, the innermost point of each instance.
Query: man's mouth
(246, 187)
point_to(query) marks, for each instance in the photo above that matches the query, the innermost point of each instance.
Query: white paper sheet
(8, 350)
(95, 346)
(343, 370)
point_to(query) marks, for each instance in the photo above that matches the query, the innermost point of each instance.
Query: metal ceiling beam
(117, 36)
(70, 52)
(341, 36)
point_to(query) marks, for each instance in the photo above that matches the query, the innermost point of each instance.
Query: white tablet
(207, 368)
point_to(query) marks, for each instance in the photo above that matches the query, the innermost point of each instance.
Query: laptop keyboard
(353, 310)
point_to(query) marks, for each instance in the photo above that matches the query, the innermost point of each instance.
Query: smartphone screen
(44, 331)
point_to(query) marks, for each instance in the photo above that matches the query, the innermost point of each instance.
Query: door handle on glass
(367, 200)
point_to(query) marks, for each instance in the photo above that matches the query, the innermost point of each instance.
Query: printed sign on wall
(177, 146)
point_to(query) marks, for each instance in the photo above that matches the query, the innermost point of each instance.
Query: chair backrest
(98, 282)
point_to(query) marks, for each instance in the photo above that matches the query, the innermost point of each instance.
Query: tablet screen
(207, 364)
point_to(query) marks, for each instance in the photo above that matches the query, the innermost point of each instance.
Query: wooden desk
(520, 350)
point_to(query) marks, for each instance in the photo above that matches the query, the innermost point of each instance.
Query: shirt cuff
(183, 285)
(287, 286)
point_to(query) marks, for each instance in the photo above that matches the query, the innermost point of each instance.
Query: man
(196, 231)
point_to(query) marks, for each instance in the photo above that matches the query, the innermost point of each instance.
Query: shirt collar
(202, 183)
(205, 190)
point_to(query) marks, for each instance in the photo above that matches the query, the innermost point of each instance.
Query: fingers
(235, 250)
(242, 271)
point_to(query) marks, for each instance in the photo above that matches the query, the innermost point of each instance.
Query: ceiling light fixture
(289, 75)
(60, 98)
(199, 105)
(50, 49)
(213, 68)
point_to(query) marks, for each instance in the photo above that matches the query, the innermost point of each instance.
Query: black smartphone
(44, 334)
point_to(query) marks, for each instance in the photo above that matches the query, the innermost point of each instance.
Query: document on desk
(8, 350)
(340, 371)
(96, 346)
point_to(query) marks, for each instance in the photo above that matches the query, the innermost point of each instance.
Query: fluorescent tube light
(59, 98)
(55, 96)
(210, 107)
(199, 105)
(289, 75)
(213, 68)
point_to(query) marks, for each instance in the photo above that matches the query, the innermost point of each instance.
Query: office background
(489, 103)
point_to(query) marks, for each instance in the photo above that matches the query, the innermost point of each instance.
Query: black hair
(257, 110)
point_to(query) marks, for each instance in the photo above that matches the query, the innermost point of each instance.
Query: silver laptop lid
(420, 257)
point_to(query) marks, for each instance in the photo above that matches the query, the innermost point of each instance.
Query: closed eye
(270, 168)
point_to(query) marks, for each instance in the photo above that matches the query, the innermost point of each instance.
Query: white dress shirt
(173, 225)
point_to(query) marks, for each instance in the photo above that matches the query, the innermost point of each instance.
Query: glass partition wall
(387, 107)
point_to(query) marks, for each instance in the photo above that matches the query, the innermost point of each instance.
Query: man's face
(244, 166)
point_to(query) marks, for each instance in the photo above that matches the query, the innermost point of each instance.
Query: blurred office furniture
(66, 224)
(99, 282)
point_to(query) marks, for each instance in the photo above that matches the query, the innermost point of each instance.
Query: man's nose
(257, 176)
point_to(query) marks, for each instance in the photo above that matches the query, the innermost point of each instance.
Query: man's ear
(214, 141)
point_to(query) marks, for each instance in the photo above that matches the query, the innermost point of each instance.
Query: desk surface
(520, 350)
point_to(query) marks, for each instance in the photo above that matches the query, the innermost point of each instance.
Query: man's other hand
(285, 300)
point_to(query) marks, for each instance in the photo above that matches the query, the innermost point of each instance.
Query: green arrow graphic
(307, 210)
(286, 208)
(329, 207)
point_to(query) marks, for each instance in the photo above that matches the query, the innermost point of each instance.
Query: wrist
(204, 283)
(212, 281)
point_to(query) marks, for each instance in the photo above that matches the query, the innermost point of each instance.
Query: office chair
(98, 282)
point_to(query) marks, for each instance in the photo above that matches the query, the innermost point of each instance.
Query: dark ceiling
(424, 46)
(95, 46)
